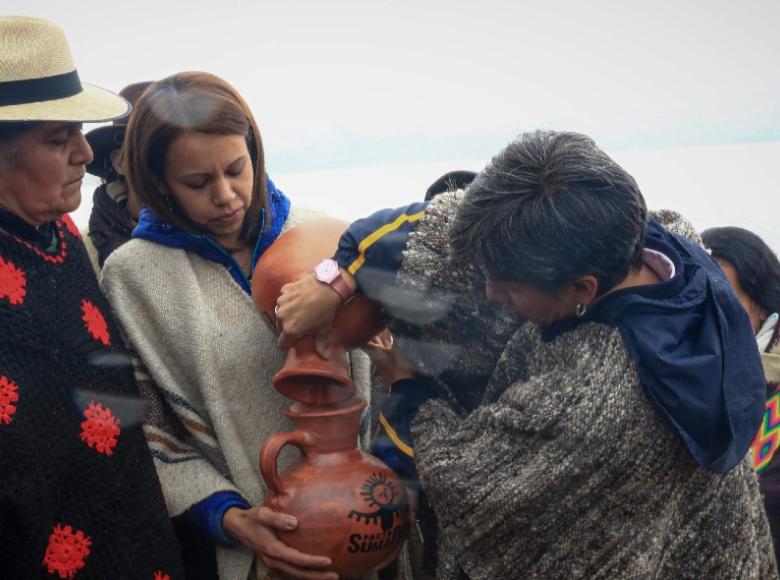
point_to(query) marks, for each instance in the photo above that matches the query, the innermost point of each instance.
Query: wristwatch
(328, 273)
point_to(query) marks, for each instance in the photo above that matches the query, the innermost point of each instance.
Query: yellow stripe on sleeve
(372, 238)
(394, 436)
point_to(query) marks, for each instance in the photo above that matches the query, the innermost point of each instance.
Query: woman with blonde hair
(181, 290)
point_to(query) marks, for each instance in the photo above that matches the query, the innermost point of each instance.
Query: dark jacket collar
(154, 229)
(694, 350)
(17, 226)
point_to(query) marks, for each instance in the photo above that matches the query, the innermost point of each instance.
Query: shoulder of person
(676, 223)
(593, 352)
(135, 258)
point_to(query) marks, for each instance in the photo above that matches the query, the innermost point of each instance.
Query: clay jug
(350, 506)
(306, 376)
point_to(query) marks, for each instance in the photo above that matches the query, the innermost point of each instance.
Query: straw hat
(38, 78)
(107, 138)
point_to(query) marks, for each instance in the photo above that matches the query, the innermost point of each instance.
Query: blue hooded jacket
(694, 349)
(152, 228)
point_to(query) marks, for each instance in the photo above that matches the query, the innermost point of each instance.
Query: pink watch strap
(340, 286)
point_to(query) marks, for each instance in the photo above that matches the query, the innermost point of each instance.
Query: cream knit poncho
(212, 357)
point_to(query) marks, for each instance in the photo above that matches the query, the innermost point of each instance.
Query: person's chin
(71, 202)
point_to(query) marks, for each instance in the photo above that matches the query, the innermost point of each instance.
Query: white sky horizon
(682, 179)
(377, 95)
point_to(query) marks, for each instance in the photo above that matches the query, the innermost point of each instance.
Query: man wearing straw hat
(79, 497)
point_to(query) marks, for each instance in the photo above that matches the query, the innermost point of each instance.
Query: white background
(363, 103)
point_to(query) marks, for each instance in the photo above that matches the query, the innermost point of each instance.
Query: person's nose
(82, 152)
(223, 192)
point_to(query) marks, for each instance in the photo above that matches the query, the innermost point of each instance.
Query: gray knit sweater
(565, 470)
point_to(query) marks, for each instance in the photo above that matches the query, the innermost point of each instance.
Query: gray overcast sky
(339, 84)
(362, 104)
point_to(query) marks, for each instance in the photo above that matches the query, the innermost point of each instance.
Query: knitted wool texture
(79, 496)
(212, 357)
(565, 470)
(444, 325)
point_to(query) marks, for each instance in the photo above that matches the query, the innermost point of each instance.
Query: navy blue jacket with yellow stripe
(376, 243)
(372, 251)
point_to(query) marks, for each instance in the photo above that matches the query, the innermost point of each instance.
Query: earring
(170, 203)
(581, 310)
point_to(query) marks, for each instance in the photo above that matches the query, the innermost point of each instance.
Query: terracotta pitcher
(306, 376)
(350, 506)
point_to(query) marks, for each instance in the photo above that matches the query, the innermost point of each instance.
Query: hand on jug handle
(308, 306)
(254, 528)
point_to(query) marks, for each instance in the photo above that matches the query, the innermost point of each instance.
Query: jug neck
(308, 377)
(333, 427)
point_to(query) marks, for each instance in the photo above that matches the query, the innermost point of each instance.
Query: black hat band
(38, 90)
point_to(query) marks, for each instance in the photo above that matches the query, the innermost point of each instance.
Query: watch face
(326, 270)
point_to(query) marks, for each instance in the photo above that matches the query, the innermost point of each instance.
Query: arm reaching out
(371, 244)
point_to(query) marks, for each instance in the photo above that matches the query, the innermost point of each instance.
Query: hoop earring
(581, 310)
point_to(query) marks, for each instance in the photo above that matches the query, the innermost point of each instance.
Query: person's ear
(585, 290)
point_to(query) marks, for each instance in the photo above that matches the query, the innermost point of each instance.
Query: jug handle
(269, 456)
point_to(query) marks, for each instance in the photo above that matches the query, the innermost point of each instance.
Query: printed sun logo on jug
(379, 492)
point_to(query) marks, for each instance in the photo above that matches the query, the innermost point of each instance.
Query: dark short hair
(757, 266)
(550, 208)
(189, 101)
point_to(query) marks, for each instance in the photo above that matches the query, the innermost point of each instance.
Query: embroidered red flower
(66, 552)
(94, 321)
(160, 575)
(9, 394)
(12, 282)
(68, 221)
(100, 428)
